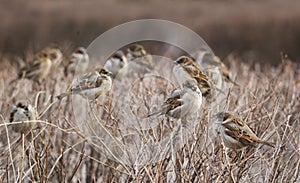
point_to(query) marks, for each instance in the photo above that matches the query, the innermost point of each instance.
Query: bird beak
(176, 62)
(109, 73)
(144, 52)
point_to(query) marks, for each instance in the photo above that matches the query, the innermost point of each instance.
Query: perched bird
(54, 53)
(182, 102)
(139, 61)
(22, 113)
(91, 85)
(187, 69)
(235, 133)
(117, 64)
(206, 60)
(78, 61)
(38, 69)
(224, 71)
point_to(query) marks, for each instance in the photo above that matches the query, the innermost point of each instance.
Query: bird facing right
(235, 133)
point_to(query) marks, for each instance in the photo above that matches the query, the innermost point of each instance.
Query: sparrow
(117, 64)
(140, 62)
(224, 70)
(38, 69)
(186, 69)
(207, 60)
(22, 113)
(235, 133)
(182, 102)
(54, 53)
(78, 61)
(91, 85)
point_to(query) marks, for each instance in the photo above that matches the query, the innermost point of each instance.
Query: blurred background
(259, 30)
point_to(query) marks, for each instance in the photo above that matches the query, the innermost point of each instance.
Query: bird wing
(32, 69)
(238, 121)
(172, 103)
(145, 61)
(88, 83)
(237, 129)
(201, 78)
(240, 136)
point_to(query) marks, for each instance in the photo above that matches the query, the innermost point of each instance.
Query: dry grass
(268, 100)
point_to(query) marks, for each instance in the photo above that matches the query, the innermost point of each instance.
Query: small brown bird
(117, 64)
(91, 85)
(38, 69)
(78, 61)
(223, 70)
(25, 114)
(207, 60)
(187, 69)
(182, 102)
(139, 61)
(236, 133)
(54, 53)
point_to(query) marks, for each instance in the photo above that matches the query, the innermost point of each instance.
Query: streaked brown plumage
(38, 69)
(206, 60)
(91, 85)
(235, 132)
(186, 68)
(182, 102)
(224, 70)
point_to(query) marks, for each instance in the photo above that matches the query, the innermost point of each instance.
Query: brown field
(246, 33)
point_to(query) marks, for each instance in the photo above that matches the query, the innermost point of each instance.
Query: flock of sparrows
(136, 61)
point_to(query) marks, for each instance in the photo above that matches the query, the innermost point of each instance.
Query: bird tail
(267, 143)
(233, 82)
(61, 96)
(155, 113)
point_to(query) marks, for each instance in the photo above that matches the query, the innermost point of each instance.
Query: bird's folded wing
(86, 84)
(240, 136)
(172, 103)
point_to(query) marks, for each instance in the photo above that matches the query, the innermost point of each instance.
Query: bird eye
(79, 51)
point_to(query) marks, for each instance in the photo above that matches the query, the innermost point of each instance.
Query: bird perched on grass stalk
(235, 133)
